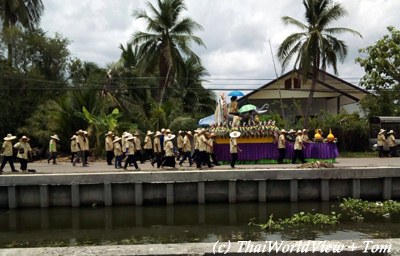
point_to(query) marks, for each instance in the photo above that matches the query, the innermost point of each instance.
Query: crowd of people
(386, 141)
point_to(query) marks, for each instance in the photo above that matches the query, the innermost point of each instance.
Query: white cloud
(236, 32)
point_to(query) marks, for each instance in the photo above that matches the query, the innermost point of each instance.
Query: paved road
(96, 167)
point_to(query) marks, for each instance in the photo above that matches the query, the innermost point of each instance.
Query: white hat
(162, 130)
(73, 137)
(55, 137)
(126, 135)
(391, 131)
(10, 137)
(157, 134)
(291, 131)
(24, 138)
(149, 133)
(299, 132)
(136, 133)
(130, 137)
(382, 131)
(116, 139)
(80, 131)
(304, 130)
(234, 134)
(109, 133)
(189, 133)
(167, 131)
(169, 137)
(283, 131)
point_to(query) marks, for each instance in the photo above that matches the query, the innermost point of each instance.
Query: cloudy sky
(236, 32)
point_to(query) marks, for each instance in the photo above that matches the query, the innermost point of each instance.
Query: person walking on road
(7, 152)
(233, 147)
(298, 148)
(24, 150)
(109, 145)
(282, 146)
(53, 149)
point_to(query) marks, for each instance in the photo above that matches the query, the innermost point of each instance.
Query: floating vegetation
(357, 209)
(298, 220)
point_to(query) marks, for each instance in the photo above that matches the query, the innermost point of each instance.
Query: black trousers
(380, 148)
(214, 158)
(234, 158)
(8, 159)
(23, 163)
(148, 154)
(203, 157)
(282, 153)
(157, 159)
(298, 154)
(110, 156)
(186, 155)
(52, 156)
(131, 160)
(168, 161)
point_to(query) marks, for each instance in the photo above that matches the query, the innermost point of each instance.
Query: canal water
(175, 224)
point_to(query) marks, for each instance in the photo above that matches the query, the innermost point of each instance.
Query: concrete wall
(181, 187)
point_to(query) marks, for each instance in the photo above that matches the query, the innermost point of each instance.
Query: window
(288, 84)
(296, 83)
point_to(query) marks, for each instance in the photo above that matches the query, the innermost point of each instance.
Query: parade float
(258, 140)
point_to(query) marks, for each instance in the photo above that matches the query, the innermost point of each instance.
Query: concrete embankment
(338, 247)
(198, 186)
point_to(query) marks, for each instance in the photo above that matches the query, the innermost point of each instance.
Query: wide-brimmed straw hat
(382, 131)
(10, 137)
(80, 132)
(109, 133)
(299, 132)
(55, 136)
(73, 137)
(157, 134)
(291, 131)
(149, 133)
(24, 138)
(169, 137)
(283, 131)
(116, 139)
(167, 131)
(234, 134)
(126, 135)
(130, 137)
(136, 133)
(391, 131)
(189, 133)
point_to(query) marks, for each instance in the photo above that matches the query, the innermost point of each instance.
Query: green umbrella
(247, 107)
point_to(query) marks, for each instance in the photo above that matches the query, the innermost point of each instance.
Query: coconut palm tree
(23, 13)
(315, 47)
(167, 39)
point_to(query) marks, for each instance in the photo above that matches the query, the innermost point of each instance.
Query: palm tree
(315, 46)
(168, 37)
(24, 13)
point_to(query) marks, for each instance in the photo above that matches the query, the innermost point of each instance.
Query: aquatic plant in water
(357, 209)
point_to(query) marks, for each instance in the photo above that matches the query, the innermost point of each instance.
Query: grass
(368, 154)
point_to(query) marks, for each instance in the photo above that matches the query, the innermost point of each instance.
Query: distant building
(331, 94)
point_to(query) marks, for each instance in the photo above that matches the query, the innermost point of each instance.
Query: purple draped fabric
(257, 151)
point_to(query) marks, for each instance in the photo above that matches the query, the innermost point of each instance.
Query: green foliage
(299, 220)
(382, 75)
(358, 209)
(183, 124)
(350, 129)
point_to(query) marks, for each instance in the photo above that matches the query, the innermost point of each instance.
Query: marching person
(24, 151)
(298, 148)
(53, 148)
(195, 154)
(233, 147)
(282, 146)
(210, 149)
(391, 141)
(80, 156)
(148, 146)
(290, 135)
(74, 148)
(117, 152)
(7, 152)
(138, 145)
(130, 152)
(169, 159)
(186, 149)
(109, 145)
(203, 157)
(381, 140)
(86, 146)
(157, 150)
(179, 144)
(304, 136)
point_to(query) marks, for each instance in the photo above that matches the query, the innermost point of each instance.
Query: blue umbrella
(209, 120)
(236, 93)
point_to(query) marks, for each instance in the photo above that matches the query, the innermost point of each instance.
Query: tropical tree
(21, 13)
(381, 63)
(167, 39)
(315, 47)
